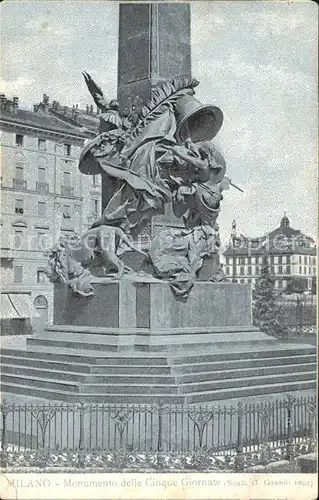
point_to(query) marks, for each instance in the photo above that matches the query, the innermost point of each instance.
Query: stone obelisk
(154, 45)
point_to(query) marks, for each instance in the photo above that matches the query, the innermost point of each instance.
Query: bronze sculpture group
(150, 156)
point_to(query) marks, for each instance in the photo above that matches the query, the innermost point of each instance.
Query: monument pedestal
(146, 303)
(143, 315)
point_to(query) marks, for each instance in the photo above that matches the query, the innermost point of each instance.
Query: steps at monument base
(82, 388)
(72, 397)
(243, 373)
(176, 399)
(233, 383)
(138, 374)
(108, 378)
(149, 343)
(183, 377)
(245, 392)
(231, 365)
(116, 369)
(92, 357)
(253, 353)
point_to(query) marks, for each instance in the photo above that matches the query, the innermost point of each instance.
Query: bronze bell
(195, 120)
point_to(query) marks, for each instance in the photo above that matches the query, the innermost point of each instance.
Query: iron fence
(299, 314)
(74, 433)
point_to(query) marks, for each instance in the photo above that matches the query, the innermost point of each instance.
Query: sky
(256, 60)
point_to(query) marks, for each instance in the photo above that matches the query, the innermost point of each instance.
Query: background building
(43, 193)
(290, 254)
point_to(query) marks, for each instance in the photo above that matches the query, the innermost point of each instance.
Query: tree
(265, 308)
(296, 285)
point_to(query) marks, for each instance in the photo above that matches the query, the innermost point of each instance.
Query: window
(227, 270)
(19, 171)
(249, 280)
(300, 271)
(19, 140)
(242, 270)
(42, 241)
(18, 234)
(249, 269)
(276, 260)
(67, 149)
(257, 270)
(288, 259)
(300, 260)
(313, 261)
(17, 276)
(305, 260)
(279, 284)
(42, 145)
(66, 212)
(242, 281)
(41, 208)
(249, 260)
(284, 259)
(67, 179)
(40, 276)
(305, 270)
(272, 269)
(288, 270)
(41, 174)
(96, 206)
(280, 270)
(18, 206)
(280, 259)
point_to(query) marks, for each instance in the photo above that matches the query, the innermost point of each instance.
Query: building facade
(43, 193)
(291, 254)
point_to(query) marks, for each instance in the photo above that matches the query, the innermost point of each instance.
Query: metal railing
(230, 432)
(299, 315)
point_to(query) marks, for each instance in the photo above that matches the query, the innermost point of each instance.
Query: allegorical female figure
(145, 161)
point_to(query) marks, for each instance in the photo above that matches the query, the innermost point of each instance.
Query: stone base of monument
(148, 303)
(134, 342)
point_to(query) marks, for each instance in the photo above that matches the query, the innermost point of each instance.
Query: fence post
(239, 458)
(290, 444)
(311, 409)
(160, 405)
(4, 444)
(81, 438)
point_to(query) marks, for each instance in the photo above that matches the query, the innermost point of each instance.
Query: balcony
(42, 187)
(6, 253)
(19, 184)
(67, 191)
